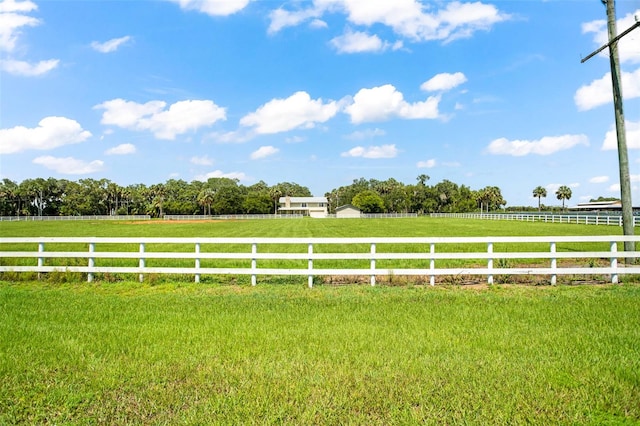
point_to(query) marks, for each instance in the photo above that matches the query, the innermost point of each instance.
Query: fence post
(254, 264)
(554, 263)
(92, 263)
(197, 278)
(490, 263)
(142, 263)
(614, 262)
(373, 264)
(310, 280)
(432, 265)
(40, 259)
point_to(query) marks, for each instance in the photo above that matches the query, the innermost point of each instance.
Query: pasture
(174, 352)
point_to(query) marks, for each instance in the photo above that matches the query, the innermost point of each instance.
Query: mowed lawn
(185, 353)
(130, 353)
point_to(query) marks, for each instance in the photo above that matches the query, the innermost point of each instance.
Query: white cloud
(220, 174)
(365, 134)
(443, 82)
(599, 179)
(429, 164)
(15, 67)
(122, 149)
(110, 45)
(385, 102)
(632, 132)
(12, 19)
(264, 151)
(213, 7)
(181, 117)
(69, 165)
(296, 111)
(384, 151)
(599, 92)
(359, 42)
(201, 161)
(627, 46)
(545, 146)
(51, 132)
(281, 18)
(407, 18)
(318, 24)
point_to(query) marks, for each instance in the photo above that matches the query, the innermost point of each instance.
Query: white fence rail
(257, 255)
(187, 217)
(86, 217)
(585, 219)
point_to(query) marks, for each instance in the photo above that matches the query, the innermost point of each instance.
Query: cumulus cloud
(296, 111)
(213, 7)
(632, 132)
(12, 18)
(599, 92)
(263, 151)
(429, 164)
(110, 45)
(23, 68)
(122, 149)
(599, 179)
(384, 151)
(52, 132)
(181, 117)
(360, 42)
(201, 161)
(385, 102)
(407, 18)
(627, 46)
(69, 165)
(220, 174)
(443, 82)
(545, 146)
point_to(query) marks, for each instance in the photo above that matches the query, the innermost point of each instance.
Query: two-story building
(307, 206)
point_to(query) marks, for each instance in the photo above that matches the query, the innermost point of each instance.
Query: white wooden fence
(65, 218)
(425, 252)
(585, 219)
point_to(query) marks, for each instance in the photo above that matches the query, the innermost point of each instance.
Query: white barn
(348, 211)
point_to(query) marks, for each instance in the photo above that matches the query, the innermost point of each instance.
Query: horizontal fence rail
(584, 219)
(85, 217)
(371, 257)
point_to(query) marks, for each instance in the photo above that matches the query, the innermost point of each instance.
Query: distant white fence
(87, 217)
(584, 219)
(424, 255)
(187, 217)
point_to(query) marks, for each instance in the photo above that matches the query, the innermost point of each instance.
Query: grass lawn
(129, 353)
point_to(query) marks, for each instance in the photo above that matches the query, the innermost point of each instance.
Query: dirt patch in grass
(175, 222)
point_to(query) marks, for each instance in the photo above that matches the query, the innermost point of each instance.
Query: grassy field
(129, 353)
(406, 227)
(173, 352)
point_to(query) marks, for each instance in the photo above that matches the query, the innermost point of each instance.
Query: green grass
(406, 227)
(128, 353)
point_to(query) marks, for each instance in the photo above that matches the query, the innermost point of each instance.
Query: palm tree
(205, 199)
(563, 193)
(539, 192)
(422, 179)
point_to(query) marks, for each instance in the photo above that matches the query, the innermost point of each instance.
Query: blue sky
(318, 93)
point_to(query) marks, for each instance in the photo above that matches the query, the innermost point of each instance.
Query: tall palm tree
(539, 192)
(205, 199)
(563, 193)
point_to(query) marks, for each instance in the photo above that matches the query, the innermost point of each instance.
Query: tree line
(219, 196)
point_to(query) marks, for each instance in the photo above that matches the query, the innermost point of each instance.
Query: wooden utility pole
(623, 157)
